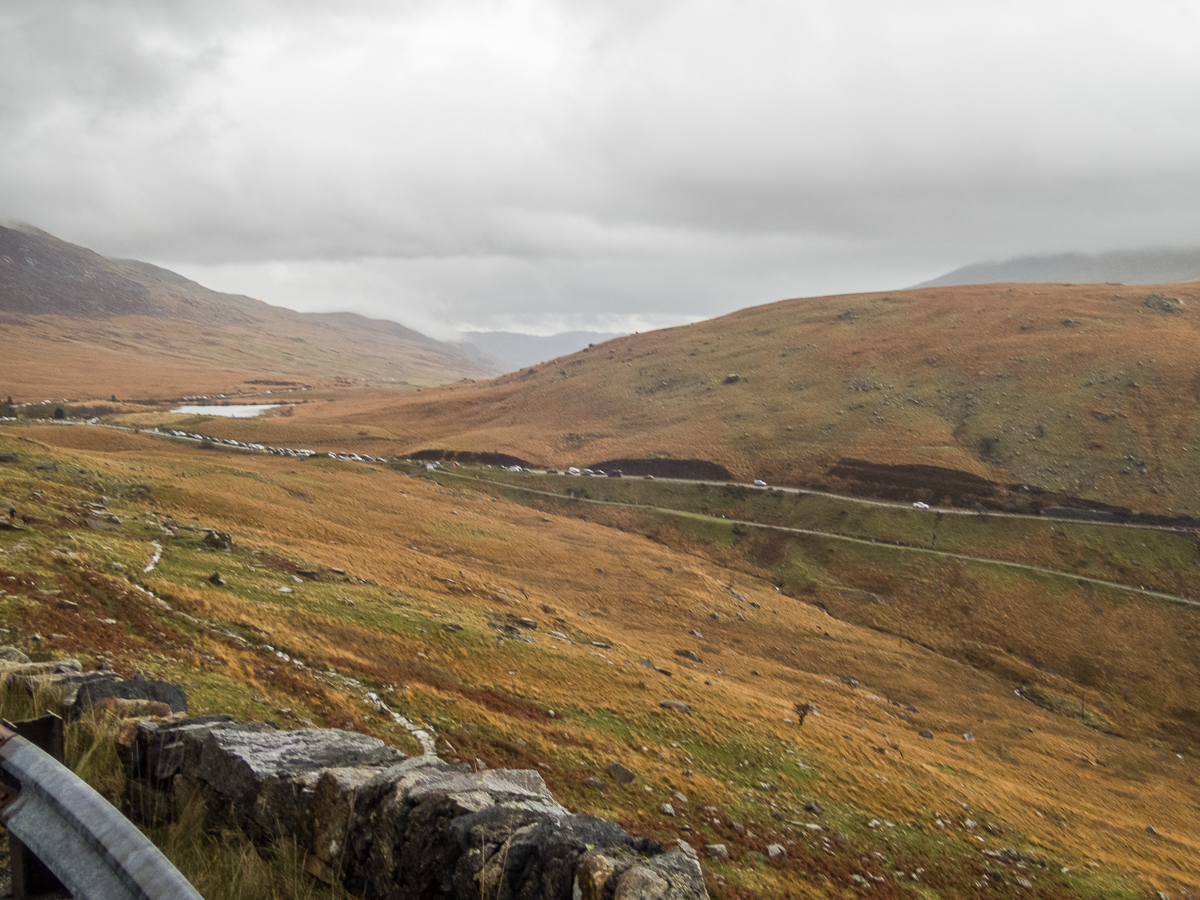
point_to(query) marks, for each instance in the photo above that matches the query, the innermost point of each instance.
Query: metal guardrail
(93, 850)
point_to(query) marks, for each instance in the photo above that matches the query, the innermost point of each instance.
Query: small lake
(233, 411)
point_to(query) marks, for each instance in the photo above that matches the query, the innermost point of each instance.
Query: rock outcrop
(391, 828)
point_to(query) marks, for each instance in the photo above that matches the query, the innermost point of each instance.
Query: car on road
(758, 482)
(920, 505)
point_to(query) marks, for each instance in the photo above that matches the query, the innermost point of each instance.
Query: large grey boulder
(389, 828)
(259, 777)
(94, 692)
(11, 654)
(425, 829)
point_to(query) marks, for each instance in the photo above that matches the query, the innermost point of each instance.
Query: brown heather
(1102, 744)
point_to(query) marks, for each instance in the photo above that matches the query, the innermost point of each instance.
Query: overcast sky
(548, 166)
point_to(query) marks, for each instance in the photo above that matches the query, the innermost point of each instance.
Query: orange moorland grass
(445, 553)
(1081, 389)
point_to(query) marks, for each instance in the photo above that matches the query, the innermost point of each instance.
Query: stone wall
(389, 827)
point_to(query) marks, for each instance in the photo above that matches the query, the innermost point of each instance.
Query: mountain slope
(1124, 266)
(1088, 391)
(80, 324)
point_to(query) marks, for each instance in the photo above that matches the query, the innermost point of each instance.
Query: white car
(920, 505)
(758, 482)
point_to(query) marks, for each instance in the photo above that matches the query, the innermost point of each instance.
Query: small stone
(969, 737)
(620, 773)
(667, 809)
(927, 734)
(677, 705)
(678, 797)
(1150, 831)
(68, 605)
(215, 578)
(776, 851)
(596, 783)
(717, 851)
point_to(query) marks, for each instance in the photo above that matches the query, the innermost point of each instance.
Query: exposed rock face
(13, 655)
(390, 828)
(95, 691)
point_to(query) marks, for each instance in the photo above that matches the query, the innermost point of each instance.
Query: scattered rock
(717, 851)
(689, 654)
(8, 653)
(1162, 303)
(620, 773)
(1150, 831)
(594, 782)
(9, 458)
(667, 809)
(927, 733)
(450, 626)
(776, 851)
(93, 693)
(677, 705)
(69, 605)
(527, 623)
(215, 578)
(731, 378)
(813, 807)
(216, 540)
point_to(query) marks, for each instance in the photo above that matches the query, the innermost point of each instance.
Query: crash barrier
(90, 847)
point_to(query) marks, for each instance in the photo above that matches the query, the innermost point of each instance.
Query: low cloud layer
(547, 166)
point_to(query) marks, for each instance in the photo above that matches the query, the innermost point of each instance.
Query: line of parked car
(276, 451)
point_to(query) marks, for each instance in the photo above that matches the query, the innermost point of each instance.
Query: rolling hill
(1001, 394)
(1000, 706)
(76, 324)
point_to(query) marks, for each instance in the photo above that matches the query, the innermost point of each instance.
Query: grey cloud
(459, 163)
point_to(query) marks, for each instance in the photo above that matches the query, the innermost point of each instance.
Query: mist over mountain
(516, 350)
(1124, 266)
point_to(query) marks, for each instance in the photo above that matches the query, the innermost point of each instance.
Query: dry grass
(440, 553)
(1104, 408)
(919, 376)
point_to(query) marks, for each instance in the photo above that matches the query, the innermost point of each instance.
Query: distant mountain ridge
(1124, 266)
(183, 335)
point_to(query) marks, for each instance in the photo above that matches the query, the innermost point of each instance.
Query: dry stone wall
(393, 828)
(385, 826)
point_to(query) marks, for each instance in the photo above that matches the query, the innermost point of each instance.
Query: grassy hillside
(75, 324)
(349, 578)
(1083, 390)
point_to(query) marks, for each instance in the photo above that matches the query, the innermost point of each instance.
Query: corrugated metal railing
(90, 847)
